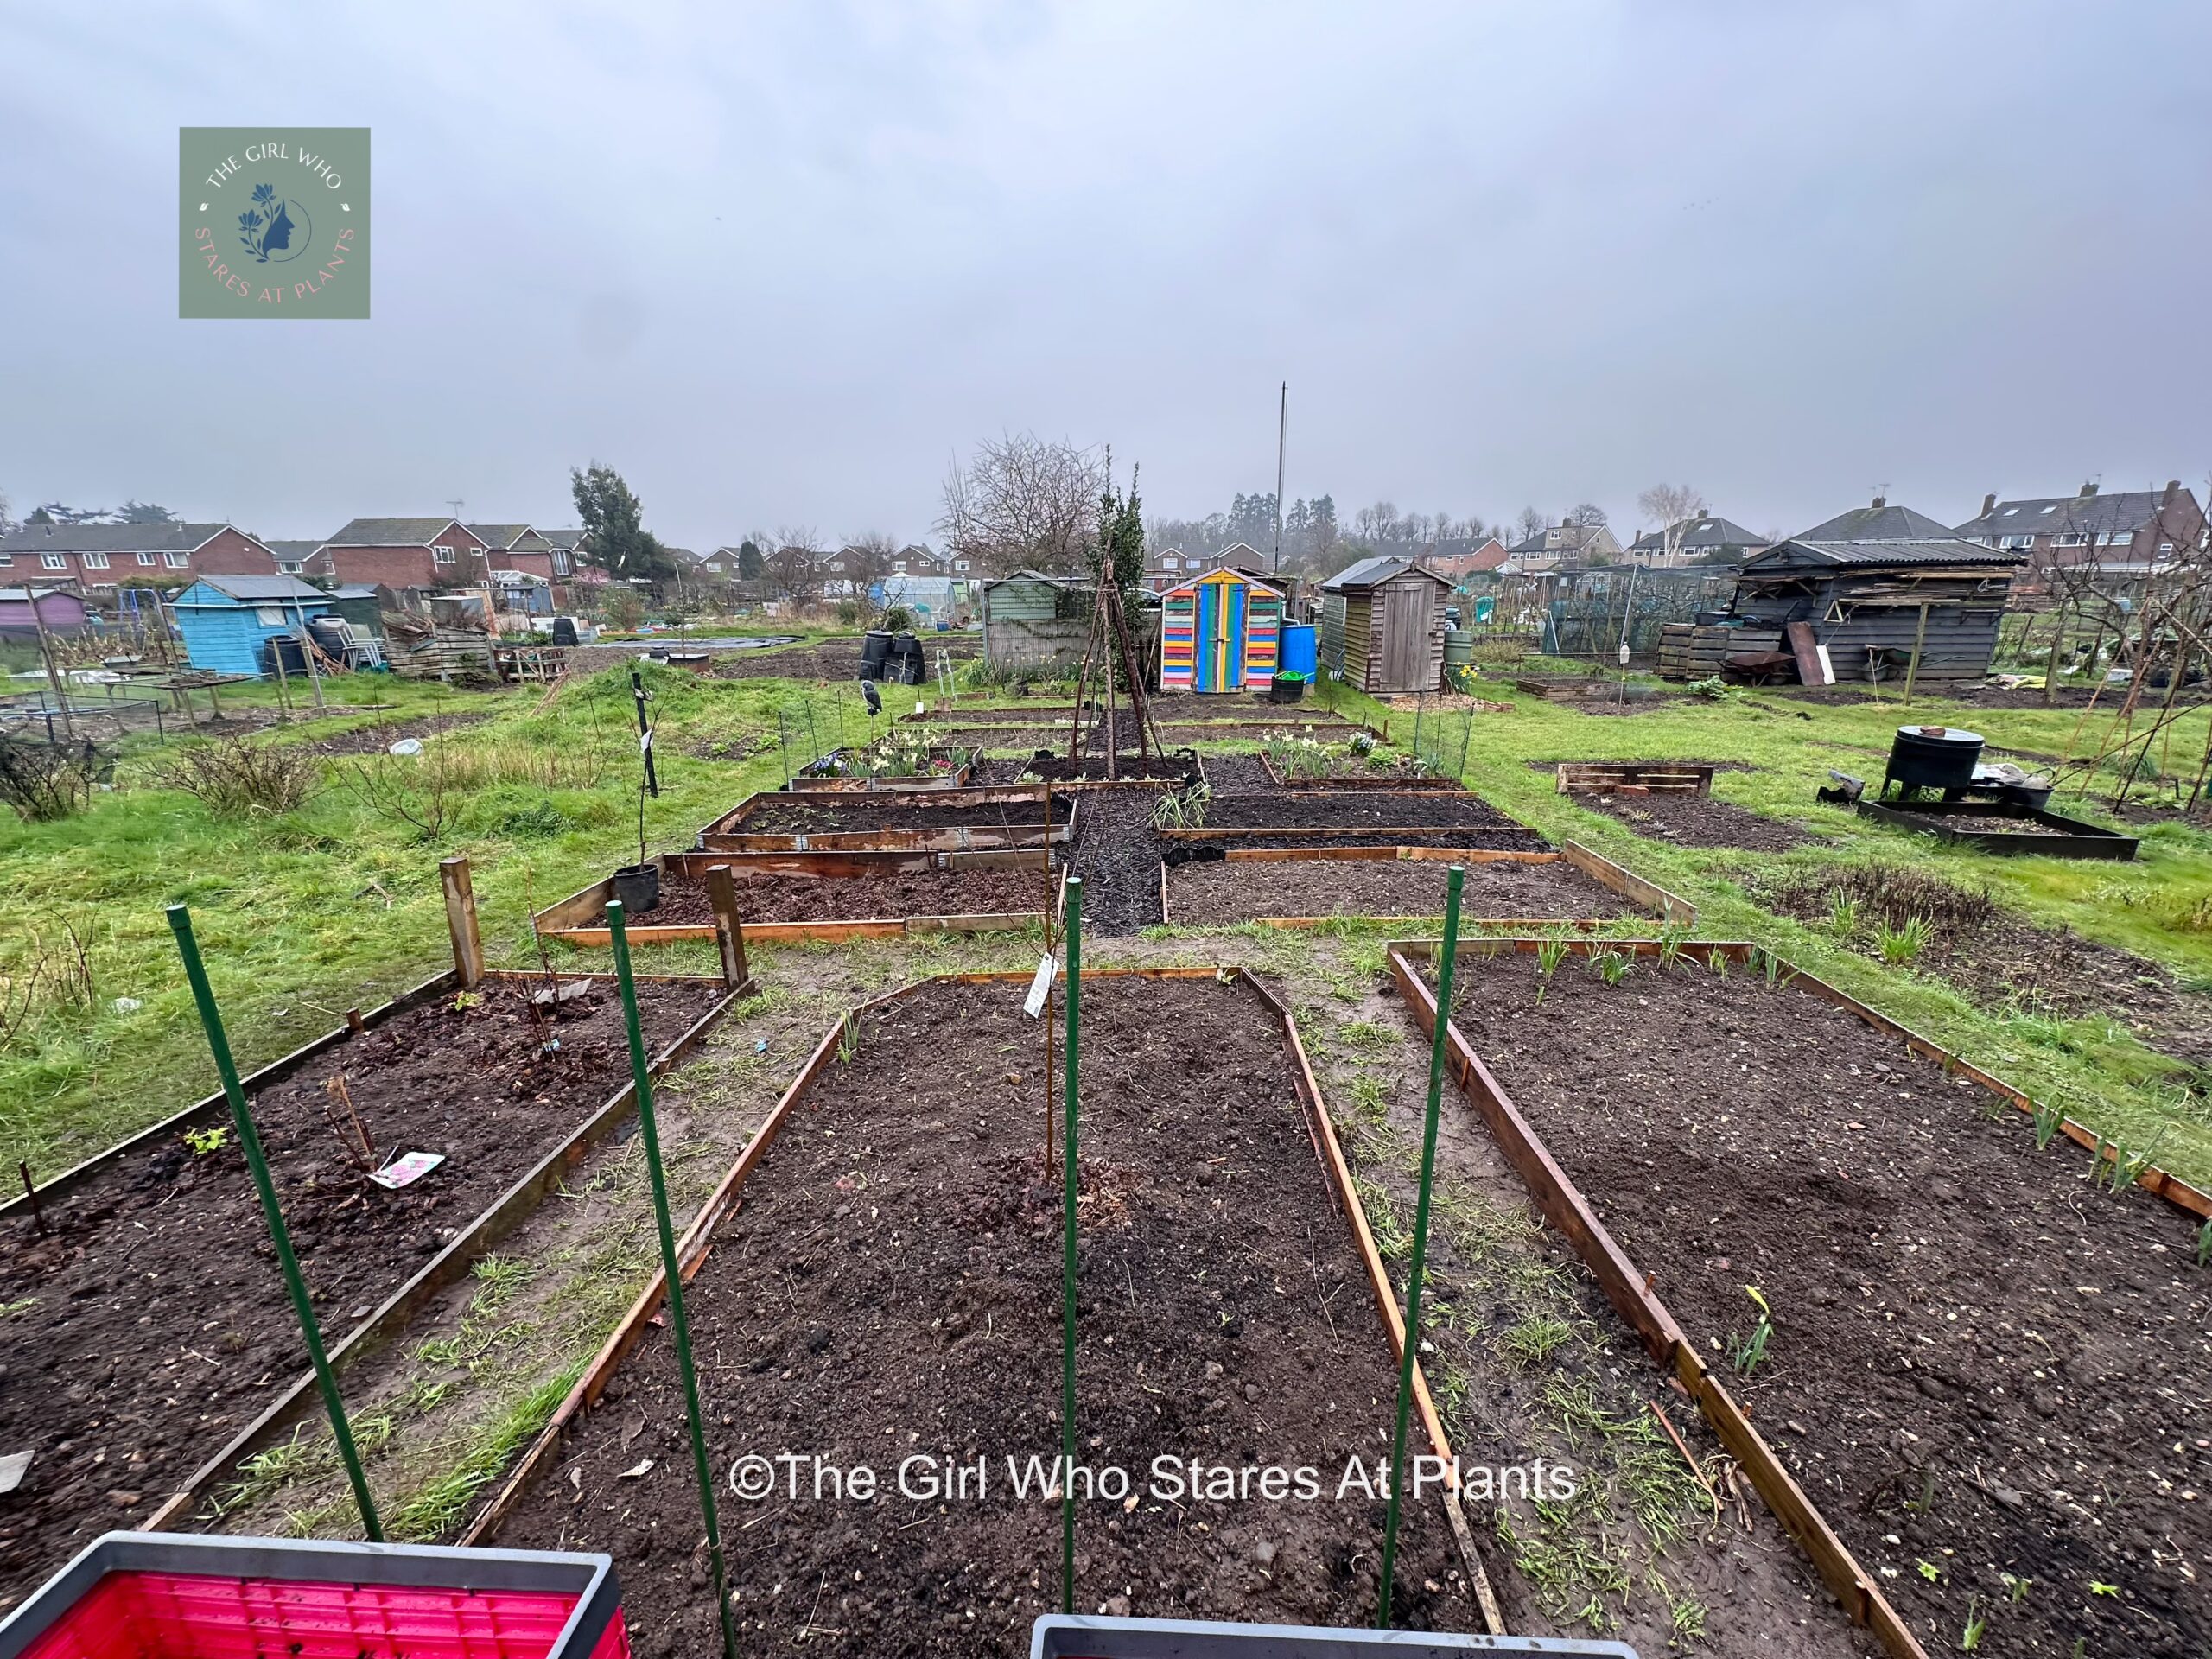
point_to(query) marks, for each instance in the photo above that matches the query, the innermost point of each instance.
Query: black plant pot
(1286, 691)
(638, 886)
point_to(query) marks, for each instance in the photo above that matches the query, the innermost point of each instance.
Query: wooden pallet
(1687, 652)
(1634, 778)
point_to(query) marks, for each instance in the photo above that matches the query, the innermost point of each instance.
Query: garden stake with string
(671, 1271)
(1072, 930)
(250, 1143)
(1411, 1346)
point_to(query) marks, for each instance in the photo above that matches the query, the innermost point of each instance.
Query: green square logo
(273, 222)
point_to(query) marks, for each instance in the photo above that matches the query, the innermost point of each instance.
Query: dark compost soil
(1695, 821)
(1355, 809)
(1979, 1366)
(1117, 855)
(1496, 841)
(375, 740)
(832, 811)
(857, 897)
(890, 1295)
(1217, 893)
(1974, 823)
(150, 1324)
(1997, 956)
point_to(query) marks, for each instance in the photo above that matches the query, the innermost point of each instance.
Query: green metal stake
(649, 1130)
(1072, 927)
(250, 1143)
(1457, 875)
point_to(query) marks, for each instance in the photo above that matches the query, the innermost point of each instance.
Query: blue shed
(227, 620)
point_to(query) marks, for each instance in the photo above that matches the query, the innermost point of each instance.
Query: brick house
(1706, 539)
(300, 558)
(1565, 542)
(517, 547)
(565, 548)
(414, 557)
(2124, 531)
(1171, 567)
(92, 557)
(1488, 555)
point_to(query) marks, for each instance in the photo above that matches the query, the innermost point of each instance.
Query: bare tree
(1022, 501)
(867, 559)
(795, 567)
(1673, 505)
(1587, 515)
(1530, 523)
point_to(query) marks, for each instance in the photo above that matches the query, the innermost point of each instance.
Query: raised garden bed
(822, 896)
(1994, 955)
(889, 1289)
(1988, 827)
(1978, 1367)
(939, 820)
(1537, 890)
(1357, 810)
(842, 770)
(1697, 821)
(148, 1342)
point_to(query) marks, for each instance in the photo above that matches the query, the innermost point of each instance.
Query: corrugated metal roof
(1369, 573)
(1802, 549)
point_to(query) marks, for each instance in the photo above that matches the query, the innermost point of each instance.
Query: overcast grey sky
(778, 263)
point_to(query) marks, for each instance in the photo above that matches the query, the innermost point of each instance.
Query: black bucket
(1933, 757)
(907, 661)
(638, 886)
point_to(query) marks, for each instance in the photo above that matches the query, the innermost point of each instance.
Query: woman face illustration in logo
(273, 229)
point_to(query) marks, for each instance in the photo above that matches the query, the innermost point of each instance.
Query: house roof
(569, 539)
(107, 538)
(256, 589)
(293, 550)
(1878, 522)
(1369, 573)
(2121, 513)
(1228, 573)
(355, 590)
(1704, 533)
(1805, 550)
(21, 595)
(391, 532)
(499, 536)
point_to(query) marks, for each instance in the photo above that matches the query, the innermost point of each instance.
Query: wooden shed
(1220, 632)
(228, 622)
(1382, 626)
(1033, 621)
(1878, 605)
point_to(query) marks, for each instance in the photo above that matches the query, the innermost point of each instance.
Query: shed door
(1405, 639)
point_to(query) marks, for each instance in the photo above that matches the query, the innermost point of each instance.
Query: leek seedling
(1746, 1353)
(1612, 965)
(2048, 1120)
(1899, 945)
(2128, 1169)
(1977, 1622)
(1843, 913)
(1717, 959)
(848, 1043)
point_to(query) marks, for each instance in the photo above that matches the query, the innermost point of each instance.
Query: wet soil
(1979, 1366)
(1695, 821)
(1218, 893)
(1352, 809)
(1495, 840)
(861, 898)
(1972, 823)
(375, 740)
(1117, 855)
(1997, 956)
(889, 1296)
(832, 811)
(150, 1324)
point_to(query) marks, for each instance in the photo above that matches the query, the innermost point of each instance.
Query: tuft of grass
(433, 1510)
(1535, 1339)
(1903, 943)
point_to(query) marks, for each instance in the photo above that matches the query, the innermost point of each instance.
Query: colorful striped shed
(1219, 632)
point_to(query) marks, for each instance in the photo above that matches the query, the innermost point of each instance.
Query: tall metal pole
(1072, 931)
(649, 1131)
(1282, 432)
(250, 1143)
(1412, 1344)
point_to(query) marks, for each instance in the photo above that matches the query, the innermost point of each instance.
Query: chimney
(2173, 490)
(2089, 489)
(1881, 501)
(1989, 504)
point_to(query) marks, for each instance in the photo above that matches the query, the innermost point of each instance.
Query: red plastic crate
(126, 1599)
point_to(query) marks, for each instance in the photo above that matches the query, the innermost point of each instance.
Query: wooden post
(729, 932)
(54, 677)
(1912, 669)
(460, 922)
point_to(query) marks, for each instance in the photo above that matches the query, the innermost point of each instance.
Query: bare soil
(1117, 855)
(1695, 821)
(1217, 893)
(832, 811)
(1979, 1366)
(891, 1291)
(1290, 809)
(375, 740)
(861, 898)
(1974, 824)
(1997, 956)
(1497, 841)
(149, 1323)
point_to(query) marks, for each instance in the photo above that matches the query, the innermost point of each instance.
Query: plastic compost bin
(1074, 1636)
(147, 1595)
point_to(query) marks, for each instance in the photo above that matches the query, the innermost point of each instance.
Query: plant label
(407, 1169)
(1041, 987)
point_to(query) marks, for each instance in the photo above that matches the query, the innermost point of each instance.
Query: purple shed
(62, 612)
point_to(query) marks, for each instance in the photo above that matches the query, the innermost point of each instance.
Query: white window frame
(94, 561)
(146, 559)
(177, 561)
(288, 567)
(6, 560)
(53, 562)
(560, 562)
(269, 616)
(441, 554)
